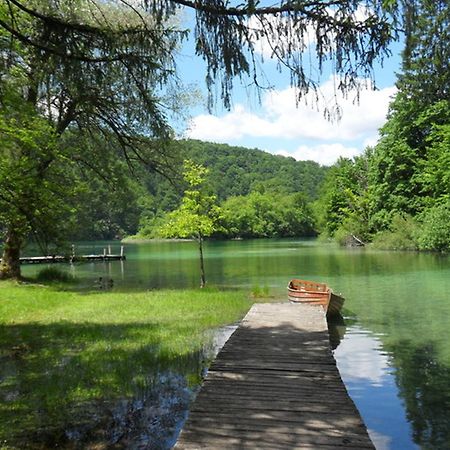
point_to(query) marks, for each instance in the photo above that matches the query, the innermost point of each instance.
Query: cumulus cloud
(324, 154)
(281, 119)
(234, 125)
(360, 357)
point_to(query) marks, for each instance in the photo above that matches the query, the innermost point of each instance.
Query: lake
(394, 353)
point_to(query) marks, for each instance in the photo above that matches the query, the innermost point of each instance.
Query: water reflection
(394, 357)
(367, 372)
(336, 330)
(424, 385)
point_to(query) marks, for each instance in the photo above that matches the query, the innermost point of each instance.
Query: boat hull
(317, 294)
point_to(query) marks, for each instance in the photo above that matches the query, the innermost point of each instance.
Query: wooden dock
(275, 385)
(107, 255)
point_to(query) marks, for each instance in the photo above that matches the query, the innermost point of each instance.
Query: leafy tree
(345, 203)
(107, 68)
(266, 215)
(198, 215)
(435, 230)
(408, 171)
(32, 191)
(420, 106)
(65, 67)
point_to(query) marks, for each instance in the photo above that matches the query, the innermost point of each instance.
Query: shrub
(435, 228)
(402, 234)
(351, 233)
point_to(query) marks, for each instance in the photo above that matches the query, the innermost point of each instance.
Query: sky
(277, 125)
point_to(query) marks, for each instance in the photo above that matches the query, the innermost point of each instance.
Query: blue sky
(277, 125)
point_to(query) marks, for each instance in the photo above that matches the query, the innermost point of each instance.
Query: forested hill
(238, 171)
(247, 175)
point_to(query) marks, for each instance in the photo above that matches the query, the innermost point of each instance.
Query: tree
(93, 79)
(107, 68)
(198, 215)
(406, 179)
(271, 214)
(418, 115)
(350, 34)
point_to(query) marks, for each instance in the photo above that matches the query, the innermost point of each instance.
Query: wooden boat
(313, 293)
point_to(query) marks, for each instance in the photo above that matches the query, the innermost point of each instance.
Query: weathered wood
(50, 259)
(275, 385)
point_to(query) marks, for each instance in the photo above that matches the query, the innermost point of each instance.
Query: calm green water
(394, 356)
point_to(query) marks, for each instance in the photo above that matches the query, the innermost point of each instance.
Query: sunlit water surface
(394, 354)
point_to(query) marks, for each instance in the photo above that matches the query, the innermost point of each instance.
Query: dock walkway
(275, 385)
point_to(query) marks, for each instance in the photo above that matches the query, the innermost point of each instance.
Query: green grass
(63, 352)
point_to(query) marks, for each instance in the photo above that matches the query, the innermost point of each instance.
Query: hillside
(238, 170)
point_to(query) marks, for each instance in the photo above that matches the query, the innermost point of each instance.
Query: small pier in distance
(107, 255)
(275, 385)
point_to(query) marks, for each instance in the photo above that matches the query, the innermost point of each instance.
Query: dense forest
(88, 150)
(261, 195)
(397, 194)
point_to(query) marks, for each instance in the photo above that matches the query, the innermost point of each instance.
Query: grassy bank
(69, 358)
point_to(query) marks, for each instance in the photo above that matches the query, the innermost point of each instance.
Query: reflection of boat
(310, 292)
(336, 330)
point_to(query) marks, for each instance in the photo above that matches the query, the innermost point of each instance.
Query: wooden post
(109, 249)
(104, 253)
(121, 252)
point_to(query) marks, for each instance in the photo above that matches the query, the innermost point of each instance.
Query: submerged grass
(64, 352)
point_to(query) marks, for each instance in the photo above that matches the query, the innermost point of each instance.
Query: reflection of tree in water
(424, 385)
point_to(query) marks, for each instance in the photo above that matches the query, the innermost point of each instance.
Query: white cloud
(302, 126)
(325, 154)
(234, 125)
(360, 357)
(359, 119)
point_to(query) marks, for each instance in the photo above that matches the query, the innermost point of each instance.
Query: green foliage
(34, 175)
(402, 235)
(266, 215)
(198, 214)
(435, 229)
(260, 194)
(434, 172)
(398, 198)
(345, 205)
(237, 171)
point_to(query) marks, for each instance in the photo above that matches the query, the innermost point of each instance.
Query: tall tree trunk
(202, 265)
(10, 265)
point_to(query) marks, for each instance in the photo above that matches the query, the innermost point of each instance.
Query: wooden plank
(275, 385)
(286, 436)
(302, 421)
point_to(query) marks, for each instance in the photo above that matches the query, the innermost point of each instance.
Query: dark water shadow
(68, 385)
(336, 329)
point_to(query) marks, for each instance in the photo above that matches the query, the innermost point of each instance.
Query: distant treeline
(262, 195)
